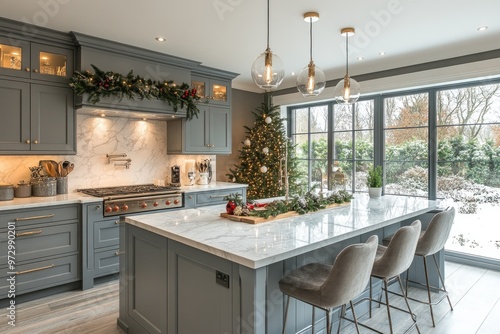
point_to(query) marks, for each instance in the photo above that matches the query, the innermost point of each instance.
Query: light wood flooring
(474, 292)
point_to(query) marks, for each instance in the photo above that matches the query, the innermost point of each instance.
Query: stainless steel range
(137, 198)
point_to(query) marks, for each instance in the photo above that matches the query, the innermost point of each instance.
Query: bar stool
(325, 286)
(392, 261)
(431, 241)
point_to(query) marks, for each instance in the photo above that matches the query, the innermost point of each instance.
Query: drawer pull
(117, 222)
(218, 196)
(118, 253)
(33, 270)
(33, 218)
(23, 234)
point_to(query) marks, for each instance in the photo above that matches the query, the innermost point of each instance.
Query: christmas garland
(106, 84)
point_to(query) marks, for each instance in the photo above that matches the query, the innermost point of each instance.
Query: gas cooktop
(139, 189)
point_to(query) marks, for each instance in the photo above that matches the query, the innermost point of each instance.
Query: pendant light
(347, 90)
(267, 69)
(311, 80)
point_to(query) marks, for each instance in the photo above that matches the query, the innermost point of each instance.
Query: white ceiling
(230, 34)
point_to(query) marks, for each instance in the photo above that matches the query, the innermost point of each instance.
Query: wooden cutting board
(257, 220)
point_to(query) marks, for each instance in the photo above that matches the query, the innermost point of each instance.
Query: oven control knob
(108, 209)
(167, 202)
(144, 205)
(155, 204)
(116, 208)
(176, 201)
(124, 207)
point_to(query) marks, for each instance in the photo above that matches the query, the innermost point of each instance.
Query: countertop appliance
(121, 200)
(175, 178)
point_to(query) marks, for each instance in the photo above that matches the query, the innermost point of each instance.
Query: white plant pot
(375, 192)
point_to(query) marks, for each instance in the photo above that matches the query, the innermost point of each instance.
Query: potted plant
(374, 181)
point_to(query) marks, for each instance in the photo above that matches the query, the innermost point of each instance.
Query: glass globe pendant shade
(268, 71)
(311, 80)
(347, 90)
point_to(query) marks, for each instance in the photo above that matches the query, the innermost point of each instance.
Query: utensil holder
(62, 185)
(203, 178)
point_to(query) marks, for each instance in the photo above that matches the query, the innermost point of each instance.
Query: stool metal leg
(312, 320)
(286, 313)
(386, 288)
(413, 317)
(354, 317)
(341, 315)
(371, 297)
(428, 290)
(328, 323)
(442, 281)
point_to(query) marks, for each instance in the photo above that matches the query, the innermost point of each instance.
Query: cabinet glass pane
(219, 92)
(52, 64)
(200, 88)
(10, 57)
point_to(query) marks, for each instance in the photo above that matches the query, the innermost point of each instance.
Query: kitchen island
(191, 271)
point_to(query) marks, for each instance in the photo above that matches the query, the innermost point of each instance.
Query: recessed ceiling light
(483, 28)
(292, 73)
(103, 115)
(382, 53)
(360, 58)
(160, 39)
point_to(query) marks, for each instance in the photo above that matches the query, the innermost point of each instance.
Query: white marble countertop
(262, 244)
(38, 202)
(77, 197)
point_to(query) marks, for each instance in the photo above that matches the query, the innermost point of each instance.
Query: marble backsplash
(144, 142)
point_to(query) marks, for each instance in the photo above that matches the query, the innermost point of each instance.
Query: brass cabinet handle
(23, 234)
(35, 141)
(218, 196)
(33, 218)
(35, 70)
(117, 222)
(27, 69)
(33, 270)
(118, 253)
(190, 197)
(28, 141)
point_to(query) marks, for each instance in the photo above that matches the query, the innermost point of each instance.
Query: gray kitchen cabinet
(216, 197)
(40, 119)
(29, 60)
(47, 247)
(101, 235)
(212, 91)
(210, 133)
(169, 284)
(146, 305)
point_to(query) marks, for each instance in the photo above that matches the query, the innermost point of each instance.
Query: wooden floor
(474, 292)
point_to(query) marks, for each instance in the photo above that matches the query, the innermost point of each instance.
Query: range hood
(131, 114)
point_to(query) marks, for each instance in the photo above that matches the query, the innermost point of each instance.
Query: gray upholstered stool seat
(393, 260)
(326, 286)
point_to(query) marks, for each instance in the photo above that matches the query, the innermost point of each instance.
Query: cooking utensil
(70, 168)
(60, 169)
(50, 167)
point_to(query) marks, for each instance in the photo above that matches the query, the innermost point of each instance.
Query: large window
(309, 132)
(406, 144)
(468, 166)
(442, 143)
(353, 142)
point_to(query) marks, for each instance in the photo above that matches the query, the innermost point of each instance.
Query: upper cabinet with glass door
(35, 61)
(212, 91)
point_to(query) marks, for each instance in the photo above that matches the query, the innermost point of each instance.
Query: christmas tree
(265, 154)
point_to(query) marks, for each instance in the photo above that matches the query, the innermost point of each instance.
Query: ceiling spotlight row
(268, 71)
